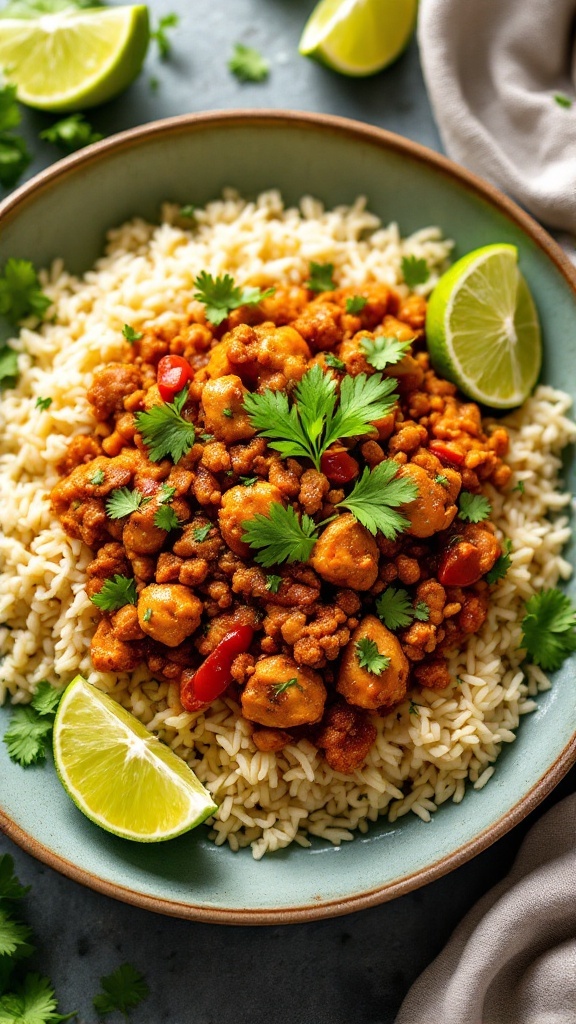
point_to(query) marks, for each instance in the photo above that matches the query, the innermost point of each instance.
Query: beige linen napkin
(492, 69)
(512, 960)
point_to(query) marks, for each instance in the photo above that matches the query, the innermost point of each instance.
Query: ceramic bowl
(65, 212)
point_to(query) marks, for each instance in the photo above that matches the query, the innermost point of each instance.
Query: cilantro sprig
(122, 502)
(115, 593)
(397, 611)
(71, 133)
(502, 563)
(166, 519)
(122, 990)
(473, 508)
(160, 35)
(280, 536)
(8, 366)
(382, 351)
(369, 656)
(220, 295)
(248, 64)
(548, 629)
(165, 431)
(414, 271)
(31, 725)
(20, 292)
(316, 419)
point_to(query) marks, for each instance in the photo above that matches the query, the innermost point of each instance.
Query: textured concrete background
(351, 969)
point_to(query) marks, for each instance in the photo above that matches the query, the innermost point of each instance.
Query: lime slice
(358, 37)
(75, 58)
(121, 776)
(482, 328)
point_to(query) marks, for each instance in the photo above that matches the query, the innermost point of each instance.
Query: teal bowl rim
(381, 139)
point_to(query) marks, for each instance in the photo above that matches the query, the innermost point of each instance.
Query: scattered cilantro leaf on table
(355, 303)
(280, 536)
(382, 351)
(321, 279)
(220, 295)
(502, 563)
(71, 133)
(46, 699)
(548, 632)
(8, 366)
(122, 502)
(14, 154)
(473, 508)
(166, 519)
(247, 64)
(115, 593)
(414, 271)
(370, 658)
(34, 1002)
(376, 496)
(165, 431)
(10, 888)
(13, 936)
(160, 36)
(26, 736)
(20, 292)
(122, 990)
(562, 100)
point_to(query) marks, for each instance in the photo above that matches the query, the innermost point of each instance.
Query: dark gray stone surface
(352, 969)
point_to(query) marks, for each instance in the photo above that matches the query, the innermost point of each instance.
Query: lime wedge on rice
(358, 37)
(117, 773)
(482, 328)
(74, 59)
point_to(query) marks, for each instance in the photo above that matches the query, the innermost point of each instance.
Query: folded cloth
(495, 70)
(512, 960)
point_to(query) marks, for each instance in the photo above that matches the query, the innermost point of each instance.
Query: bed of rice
(423, 755)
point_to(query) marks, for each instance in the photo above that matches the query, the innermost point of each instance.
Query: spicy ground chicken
(349, 617)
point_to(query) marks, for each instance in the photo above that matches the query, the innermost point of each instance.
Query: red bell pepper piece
(339, 466)
(199, 688)
(172, 375)
(447, 453)
(460, 565)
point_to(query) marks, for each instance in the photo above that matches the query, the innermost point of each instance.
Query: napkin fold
(512, 960)
(493, 69)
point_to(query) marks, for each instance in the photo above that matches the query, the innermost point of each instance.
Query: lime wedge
(482, 328)
(358, 37)
(121, 776)
(75, 58)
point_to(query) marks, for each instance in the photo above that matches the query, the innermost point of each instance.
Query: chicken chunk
(267, 355)
(346, 737)
(433, 509)
(367, 689)
(168, 612)
(224, 413)
(242, 503)
(110, 653)
(110, 386)
(282, 694)
(346, 554)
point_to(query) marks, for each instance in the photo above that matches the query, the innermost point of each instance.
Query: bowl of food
(241, 500)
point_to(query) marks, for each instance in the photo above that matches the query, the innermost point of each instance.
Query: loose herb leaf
(228, 413)
(321, 279)
(220, 295)
(333, 362)
(10, 888)
(442, 480)
(46, 699)
(370, 658)
(381, 351)
(421, 611)
(166, 519)
(165, 431)
(123, 990)
(8, 366)
(97, 478)
(13, 937)
(502, 563)
(10, 115)
(71, 133)
(396, 610)
(562, 100)
(201, 533)
(413, 709)
(20, 292)
(273, 583)
(280, 536)
(248, 64)
(376, 497)
(362, 400)
(414, 271)
(160, 36)
(548, 629)
(122, 502)
(473, 508)
(26, 736)
(355, 303)
(206, 438)
(130, 334)
(115, 593)
(167, 492)
(43, 403)
(33, 1003)
(248, 481)
(282, 687)
(188, 212)
(519, 487)
(14, 158)
(147, 615)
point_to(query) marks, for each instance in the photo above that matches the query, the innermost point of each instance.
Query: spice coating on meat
(346, 554)
(366, 689)
(282, 694)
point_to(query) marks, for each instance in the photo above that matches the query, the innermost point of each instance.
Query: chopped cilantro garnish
(282, 687)
(160, 36)
(188, 211)
(562, 100)
(166, 519)
(370, 658)
(414, 271)
(115, 594)
(321, 279)
(355, 303)
(333, 362)
(273, 583)
(473, 508)
(220, 295)
(20, 292)
(165, 431)
(8, 366)
(376, 496)
(248, 481)
(228, 413)
(147, 615)
(122, 502)
(519, 487)
(97, 478)
(502, 564)
(130, 334)
(43, 403)
(248, 64)
(71, 133)
(396, 610)
(201, 532)
(548, 629)
(280, 536)
(442, 480)
(381, 351)
(14, 154)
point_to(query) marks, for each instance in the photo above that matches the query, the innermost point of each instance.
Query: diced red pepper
(339, 466)
(460, 565)
(172, 375)
(447, 453)
(200, 688)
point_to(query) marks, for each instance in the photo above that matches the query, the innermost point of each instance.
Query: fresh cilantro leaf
(282, 687)
(10, 115)
(13, 937)
(562, 100)
(26, 736)
(43, 403)
(46, 699)
(220, 295)
(548, 629)
(147, 615)
(201, 532)
(206, 438)
(333, 362)
(123, 990)
(381, 351)
(442, 480)
(502, 564)
(160, 36)
(14, 158)
(10, 888)
(71, 133)
(115, 593)
(20, 292)
(519, 487)
(414, 271)
(188, 212)
(362, 400)
(395, 608)
(421, 611)
(97, 478)
(248, 64)
(8, 366)
(33, 1003)
(355, 303)
(413, 709)
(228, 413)
(473, 508)
(166, 519)
(167, 492)
(273, 583)
(280, 536)
(248, 481)
(130, 334)
(122, 502)
(376, 496)
(321, 279)
(165, 431)
(370, 658)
